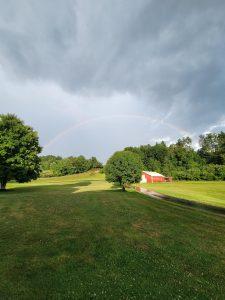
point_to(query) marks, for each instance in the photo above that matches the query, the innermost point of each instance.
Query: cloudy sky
(95, 76)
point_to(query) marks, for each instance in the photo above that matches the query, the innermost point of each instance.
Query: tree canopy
(124, 167)
(19, 149)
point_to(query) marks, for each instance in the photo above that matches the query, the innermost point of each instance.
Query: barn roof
(153, 174)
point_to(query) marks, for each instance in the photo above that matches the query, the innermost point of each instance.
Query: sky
(93, 77)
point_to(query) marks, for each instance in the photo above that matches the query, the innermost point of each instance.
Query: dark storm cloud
(35, 36)
(169, 54)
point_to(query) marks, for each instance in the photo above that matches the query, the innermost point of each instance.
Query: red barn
(150, 177)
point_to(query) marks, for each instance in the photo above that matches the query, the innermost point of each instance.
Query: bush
(220, 172)
(62, 167)
(47, 173)
(102, 170)
(193, 174)
(179, 175)
(208, 172)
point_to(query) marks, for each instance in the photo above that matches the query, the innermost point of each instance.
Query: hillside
(77, 237)
(205, 192)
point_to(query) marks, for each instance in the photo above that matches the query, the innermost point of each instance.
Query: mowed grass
(208, 192)
(77, 237)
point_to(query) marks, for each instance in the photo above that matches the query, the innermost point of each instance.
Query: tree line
(57, 166)
(181, 161)
(20, 158)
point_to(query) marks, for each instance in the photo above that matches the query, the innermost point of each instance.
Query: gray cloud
(167, 55)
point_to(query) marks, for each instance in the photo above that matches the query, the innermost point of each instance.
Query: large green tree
(19, 149)
(124, 167)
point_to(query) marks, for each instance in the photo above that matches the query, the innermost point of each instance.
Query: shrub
(47, 173)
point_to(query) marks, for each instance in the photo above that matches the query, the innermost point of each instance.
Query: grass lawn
(77, 238)
(208, 192)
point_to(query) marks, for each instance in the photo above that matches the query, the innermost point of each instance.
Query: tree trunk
(123, 188)
(3, 184)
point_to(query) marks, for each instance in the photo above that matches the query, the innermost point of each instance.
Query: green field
(207, 192)
(76, 237)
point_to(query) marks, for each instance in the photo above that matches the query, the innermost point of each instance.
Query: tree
(93, 163)
(48, 160)
(80, 164)
(208, 147)
(19, 149)
(62, 167)
(213, 147)
(183, 155)
(221, 147)
(124, 167)
(184, 142)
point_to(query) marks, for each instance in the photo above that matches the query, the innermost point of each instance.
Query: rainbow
(74, 127)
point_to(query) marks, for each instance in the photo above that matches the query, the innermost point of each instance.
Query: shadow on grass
(54, 186)
(82, 183)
